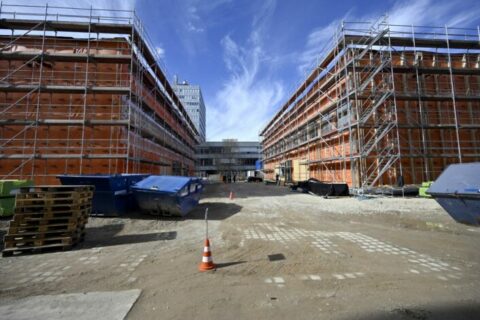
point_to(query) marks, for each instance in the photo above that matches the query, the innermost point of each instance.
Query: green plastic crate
(423, 189)
(7, 200)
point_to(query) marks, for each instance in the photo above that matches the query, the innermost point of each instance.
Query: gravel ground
(279, 254)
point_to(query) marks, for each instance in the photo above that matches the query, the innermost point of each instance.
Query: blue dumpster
(168, 195)
(457, 190)
(113, 194)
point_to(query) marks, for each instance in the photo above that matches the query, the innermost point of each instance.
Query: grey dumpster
(457, 190)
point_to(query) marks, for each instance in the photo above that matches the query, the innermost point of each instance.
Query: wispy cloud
(160, 52)
(193, 23)
(246, 98)
(434, 13)
(316, 41)
(97, 4)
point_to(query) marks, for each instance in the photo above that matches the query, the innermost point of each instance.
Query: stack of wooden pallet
(48, 217)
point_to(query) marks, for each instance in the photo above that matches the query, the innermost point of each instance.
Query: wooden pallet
(45, 233)
(53, 208)
(48, 217)
(55, 211)
(52, 202)
(56, 195)
(47, 188)
(14, 230)
(35, 249)
(32, 241)
(26, 220)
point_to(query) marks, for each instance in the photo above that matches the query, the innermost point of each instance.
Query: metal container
(168, 195)
(457, 190)
(113, 194)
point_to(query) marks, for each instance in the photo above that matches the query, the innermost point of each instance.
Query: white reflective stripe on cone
(206, 249)
(207, 259)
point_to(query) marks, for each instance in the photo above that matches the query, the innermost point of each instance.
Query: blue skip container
(457, 190)
(168, 195)
(113, 194)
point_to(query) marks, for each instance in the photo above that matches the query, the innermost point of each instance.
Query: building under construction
(83, 92)
(384, 105)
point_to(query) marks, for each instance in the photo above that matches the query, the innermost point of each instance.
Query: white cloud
(433, 13)
(96, 4)
(160, 52)
(316, 41)
(244, 103)
(194, 21)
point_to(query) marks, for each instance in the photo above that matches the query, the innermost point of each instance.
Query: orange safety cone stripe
(207, 260)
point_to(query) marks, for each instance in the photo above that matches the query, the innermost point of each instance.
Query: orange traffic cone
(207, 261)
(231, 195)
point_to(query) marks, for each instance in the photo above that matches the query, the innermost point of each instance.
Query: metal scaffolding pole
(452, 85)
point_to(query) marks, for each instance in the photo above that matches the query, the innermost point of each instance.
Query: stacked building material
(48, 217)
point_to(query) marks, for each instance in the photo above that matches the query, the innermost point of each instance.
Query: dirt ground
(279, 255)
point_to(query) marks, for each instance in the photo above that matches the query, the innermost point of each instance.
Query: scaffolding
(82, 91)
(386, 105)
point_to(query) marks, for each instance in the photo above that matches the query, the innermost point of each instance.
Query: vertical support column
(131, 80)
(355, 133)
(395, 111)
(452, 85)
(39, 91)
(85, 93)
(421, 115)
(348, 80)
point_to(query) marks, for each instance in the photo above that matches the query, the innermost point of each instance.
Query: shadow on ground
(2, 234)
(463, 311)
(228, 264)
(216, 211)
(107, 235)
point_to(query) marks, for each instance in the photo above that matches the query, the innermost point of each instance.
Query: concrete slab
(79, 306)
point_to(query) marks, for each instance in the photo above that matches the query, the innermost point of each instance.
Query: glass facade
(192, 100)
(227, 157)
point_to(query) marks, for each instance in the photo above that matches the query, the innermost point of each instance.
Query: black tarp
(322, 188)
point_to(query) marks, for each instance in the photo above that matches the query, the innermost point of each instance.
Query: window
(184, 191)
(193, 187)
(342, 115)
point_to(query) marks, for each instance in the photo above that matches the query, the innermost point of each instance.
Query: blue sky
(248, 56)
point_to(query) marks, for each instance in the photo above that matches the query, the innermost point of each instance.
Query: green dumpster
(7, 195)
(422, 190)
